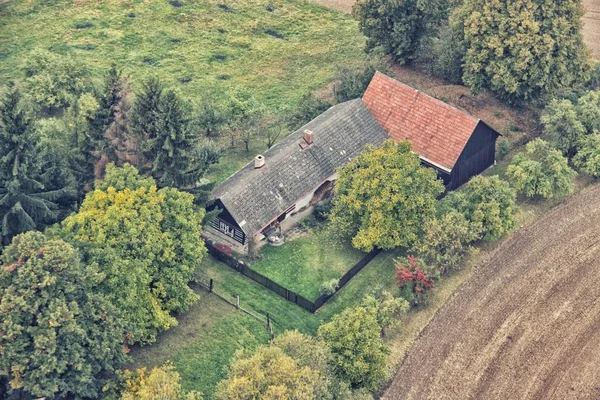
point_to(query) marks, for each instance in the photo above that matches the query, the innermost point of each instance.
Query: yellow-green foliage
(278, 49)
(161, 383)
(524, 49)
(147, 242)
(384, 196)
(541, 171)
(268, 374)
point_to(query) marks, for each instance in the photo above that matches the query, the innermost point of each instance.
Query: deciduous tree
(147, 243)
(523, 50)
(161, 383)
(59, 336)
(588, 157)
(414, 281)
(354, 337)
(541, 171)
(488, 203)
(383, 197)
(399, 26)
(563, 126)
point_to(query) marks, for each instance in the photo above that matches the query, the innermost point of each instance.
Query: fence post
(237, 301)
(210, 285)
(268, 321)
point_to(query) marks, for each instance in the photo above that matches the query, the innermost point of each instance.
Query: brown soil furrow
(525, 325)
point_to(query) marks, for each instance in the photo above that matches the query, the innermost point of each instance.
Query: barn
(453, 142)
(300, 170)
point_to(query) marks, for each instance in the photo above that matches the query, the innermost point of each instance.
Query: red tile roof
(437, 131)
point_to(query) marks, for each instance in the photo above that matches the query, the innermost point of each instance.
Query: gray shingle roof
(290, 172)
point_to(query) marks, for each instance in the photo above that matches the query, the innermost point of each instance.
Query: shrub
(503, 148)
(322, 210)
(588, 157)
(446, 241)
(160, 383)
(413, 281)
(329, 287)
(488, 203)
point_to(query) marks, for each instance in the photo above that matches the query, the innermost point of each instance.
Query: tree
(147, 243)
(268, 374)
(445, 241)
(387, 308)
(161, 383)
(246, 114)
(27, 199)
(60, 338)
(209, 118)
(398, 26)
(359, 352)
(563, 126)
(309, 107)
(588, 157)
(488, 203)
(144, 113)
(523, 50)
(413, 281)
(53, 80)
(588, 110)
(352, 83)
(383, 197)
(541, 171)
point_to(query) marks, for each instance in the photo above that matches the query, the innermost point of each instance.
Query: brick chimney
(308, 136)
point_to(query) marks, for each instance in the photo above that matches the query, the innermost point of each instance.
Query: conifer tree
(28, 199)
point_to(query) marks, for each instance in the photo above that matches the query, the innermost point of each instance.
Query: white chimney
(259, 161)
(308, 136)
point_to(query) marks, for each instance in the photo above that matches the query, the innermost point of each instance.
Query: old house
(300, 169)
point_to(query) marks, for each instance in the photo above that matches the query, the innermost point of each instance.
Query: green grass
(277, 49)
(306, 263)
(212, 330)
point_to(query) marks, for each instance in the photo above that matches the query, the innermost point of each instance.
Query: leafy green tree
(588, 157)
(209, 118)
(309, 107)
(488, 203)
(354, 337)
(146, 242)
(54, 80)
(352, 83)
(383, 197)
(387, 308)
(398, 26)
(523, 50)
(588, 110)
(562, 126)
(541, 171)
(60, 338)
(445, 241)
(27, 199)
(161, 383)
(268, 374)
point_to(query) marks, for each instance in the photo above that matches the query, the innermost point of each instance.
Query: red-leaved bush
(223, 248)
(413, 281)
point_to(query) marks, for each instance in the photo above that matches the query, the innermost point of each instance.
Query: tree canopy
(58, 334)
(488, 203)
(398, 26)
(161, 383)
(522, 50)
(541, 171)
(147, 243)
(383, 197)
(354, 337)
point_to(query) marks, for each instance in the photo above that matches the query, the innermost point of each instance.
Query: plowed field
(526, 325)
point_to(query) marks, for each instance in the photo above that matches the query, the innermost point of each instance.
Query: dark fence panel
(283, 291)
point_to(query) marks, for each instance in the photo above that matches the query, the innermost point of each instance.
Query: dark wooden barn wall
(226, 218)
(479, 154)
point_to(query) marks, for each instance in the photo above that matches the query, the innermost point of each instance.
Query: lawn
(277, 49)
(212, 330)
(304, 264)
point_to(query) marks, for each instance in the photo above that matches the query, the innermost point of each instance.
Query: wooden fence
(282, 291)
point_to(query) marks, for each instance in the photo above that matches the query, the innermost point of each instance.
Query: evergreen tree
(144, 114)
(28, 195)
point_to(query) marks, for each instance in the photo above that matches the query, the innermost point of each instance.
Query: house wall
(478, 155)
(226, 225)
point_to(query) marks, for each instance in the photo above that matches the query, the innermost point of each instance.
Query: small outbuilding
(300, 170)
(453, 142)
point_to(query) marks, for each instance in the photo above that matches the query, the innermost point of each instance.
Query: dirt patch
(591, 26)
(526, 325)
